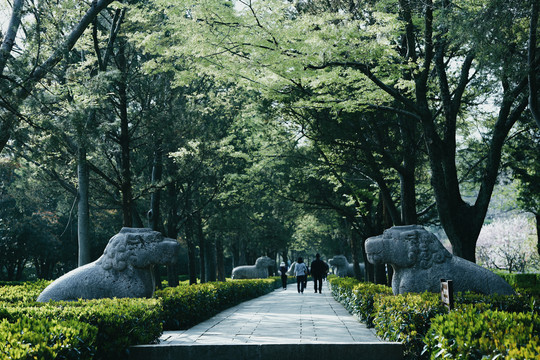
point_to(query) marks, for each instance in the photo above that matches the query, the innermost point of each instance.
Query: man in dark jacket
(318, 270)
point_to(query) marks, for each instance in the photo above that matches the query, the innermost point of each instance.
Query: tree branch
(9, 39)
(42, 70)
(364, 69)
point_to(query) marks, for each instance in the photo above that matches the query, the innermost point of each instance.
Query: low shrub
(185, 306)
(120, 323)
(406, 319)
(18, 292)
(364, 296)
(342, 288)
(528, 284)
(509, 303)
(473, 333)
(518, 280)
(47, 339)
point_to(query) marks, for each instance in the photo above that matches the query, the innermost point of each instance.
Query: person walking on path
(283, 271)
(300, 270)
(318, 270)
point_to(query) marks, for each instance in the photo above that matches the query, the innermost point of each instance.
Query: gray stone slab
(270, 351)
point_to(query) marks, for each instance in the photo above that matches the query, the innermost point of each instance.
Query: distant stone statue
(420, 261)
(257, 271)
(343, 268)
(124, 269)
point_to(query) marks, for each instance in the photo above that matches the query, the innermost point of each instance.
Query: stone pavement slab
(308, 324)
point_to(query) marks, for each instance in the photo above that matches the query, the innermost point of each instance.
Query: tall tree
(420, 60)
(18, 80)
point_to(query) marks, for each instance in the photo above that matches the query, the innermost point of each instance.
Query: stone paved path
(283, 316)
(282, 324)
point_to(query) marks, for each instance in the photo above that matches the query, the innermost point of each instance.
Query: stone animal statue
(420, 261)
(124, 269)
(257, 271)
(343, 268)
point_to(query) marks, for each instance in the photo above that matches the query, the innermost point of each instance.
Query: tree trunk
(83, 218)
(407, 172)
(124, 141)
(220, 259)
(534, 105)
(154, 215)
(235, 249)
(408, 198)
(202, 246)
(172, 229)
(210, 260)
(190, 227)
(242, 256)
(9, 39)
(6, 126)
(355, 239)
(20, 269)
(190, 240)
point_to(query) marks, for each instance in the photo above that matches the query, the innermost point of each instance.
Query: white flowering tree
(508, 244)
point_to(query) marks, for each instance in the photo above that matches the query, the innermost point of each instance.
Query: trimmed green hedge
(524, 283)
(342, 288)
(185, 306)
(46, 339)
(18, 292)
(518, 280)
(406, 319)
(410, 319)
(471, 333)
(106, 328)
(120, 323)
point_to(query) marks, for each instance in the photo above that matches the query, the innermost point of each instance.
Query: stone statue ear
(412, 256)
(106, 263)
(119, 261)
(120, 265)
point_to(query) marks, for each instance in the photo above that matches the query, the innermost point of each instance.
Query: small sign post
(447, 293)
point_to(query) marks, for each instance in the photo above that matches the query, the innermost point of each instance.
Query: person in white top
(300, 270)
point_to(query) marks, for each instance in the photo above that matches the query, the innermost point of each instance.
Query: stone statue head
(264, 261)
(338, 260)
(406, 246)
(138, 248)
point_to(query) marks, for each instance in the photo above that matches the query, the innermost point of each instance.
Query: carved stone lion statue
(420, 261)
(257, 271)
(343, 268)
(124, 269)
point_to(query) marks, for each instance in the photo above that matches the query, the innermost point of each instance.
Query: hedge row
(29, 338)
(526, 283)
(106, 328)
(428, 331)
(119, 323)
(473, 334)
(185, 305)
